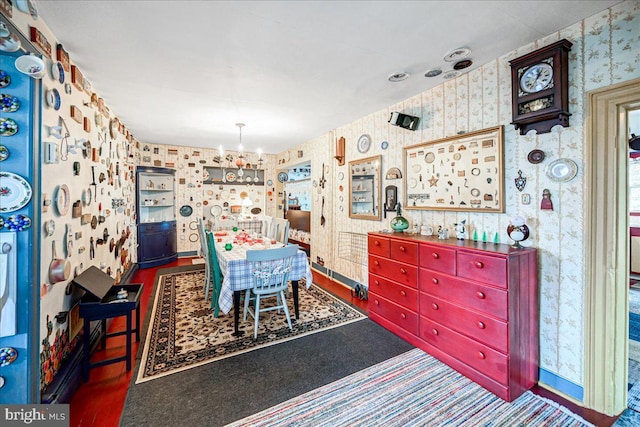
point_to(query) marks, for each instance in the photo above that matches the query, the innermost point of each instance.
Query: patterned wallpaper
(605, 51)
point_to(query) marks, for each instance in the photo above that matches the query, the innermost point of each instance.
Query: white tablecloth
(237, 270)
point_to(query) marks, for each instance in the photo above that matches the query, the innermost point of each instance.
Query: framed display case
(364, 188)
(460, 173)
(156, 213)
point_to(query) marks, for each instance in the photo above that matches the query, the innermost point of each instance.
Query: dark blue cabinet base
(157, 243)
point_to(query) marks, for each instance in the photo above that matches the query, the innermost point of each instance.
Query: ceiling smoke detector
(457, 54)
(398, 77)
(433, 72)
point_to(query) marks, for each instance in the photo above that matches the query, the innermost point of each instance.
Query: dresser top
(499, 248)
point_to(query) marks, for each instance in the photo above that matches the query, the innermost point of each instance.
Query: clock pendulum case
(540, 88)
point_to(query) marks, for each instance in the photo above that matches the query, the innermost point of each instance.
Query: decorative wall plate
(216, 210)
(50, 227)
(10, 44)
(186, 210)
(53, 99)
(15, 192)
(256, 211)
(535, 156)
(283, 177)
(364, 143)
(230, 176)
(269, 182)
(8, 127)
(17, 223)
(384, 145)
(4, 153)
(5, 79)
(62, 199)
(9, 103)
(562, 170)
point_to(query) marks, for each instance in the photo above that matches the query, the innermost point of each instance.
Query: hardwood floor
(99, 402)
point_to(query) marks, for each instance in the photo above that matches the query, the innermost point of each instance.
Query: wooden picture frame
(460, 173)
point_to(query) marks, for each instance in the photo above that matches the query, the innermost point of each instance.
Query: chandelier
(240, 160)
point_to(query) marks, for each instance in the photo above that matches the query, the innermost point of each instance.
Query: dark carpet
(230, 389)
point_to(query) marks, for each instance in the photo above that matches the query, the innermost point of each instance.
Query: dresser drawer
(476, 296)
(399, 272)
(485, 329)
(438, 258)
(401, 295)
(379, 246)
(483, 268)
(406, 319)
(477, 355)
(404, 251)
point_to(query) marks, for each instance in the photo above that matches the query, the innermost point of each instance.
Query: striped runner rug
(412, 389)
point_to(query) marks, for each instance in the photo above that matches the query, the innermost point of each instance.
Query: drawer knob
(481, 325)
(434, 331)
(403, 293)
(478, 264)
(403, 271)
(435, 306)
(435, 255)
(376, 243)
(404, 316)
(377, 302)
(377, 283)
(480, 295)
(376, 263)
(435, 281)
(481, 355)
(403, 249)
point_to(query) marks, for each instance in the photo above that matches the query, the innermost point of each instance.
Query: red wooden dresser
(472, 305)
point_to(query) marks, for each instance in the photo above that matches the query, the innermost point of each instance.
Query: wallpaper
(604, 52)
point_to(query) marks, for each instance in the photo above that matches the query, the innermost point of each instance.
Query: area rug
(412, 389)
(183, 332)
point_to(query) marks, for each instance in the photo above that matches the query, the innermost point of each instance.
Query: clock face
(364, 142)
(536, 78)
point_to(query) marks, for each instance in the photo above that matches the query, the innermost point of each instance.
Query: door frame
(607, 246)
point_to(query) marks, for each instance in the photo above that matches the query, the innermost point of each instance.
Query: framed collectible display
(460, 173)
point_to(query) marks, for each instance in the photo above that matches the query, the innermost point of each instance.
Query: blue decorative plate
(5, 79)
(282, 177)
(384, 145)
(8, 127)
(60, 72)
(9, 103)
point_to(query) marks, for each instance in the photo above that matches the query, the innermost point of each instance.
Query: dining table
(231, 249)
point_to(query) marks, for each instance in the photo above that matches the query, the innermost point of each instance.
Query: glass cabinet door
(156, 196)
(364, 188)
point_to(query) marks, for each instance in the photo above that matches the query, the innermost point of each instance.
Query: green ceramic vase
(399, 223)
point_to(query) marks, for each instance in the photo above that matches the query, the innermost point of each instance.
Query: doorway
(607, 247)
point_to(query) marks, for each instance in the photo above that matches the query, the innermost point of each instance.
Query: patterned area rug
(413, 389)
(183, 333)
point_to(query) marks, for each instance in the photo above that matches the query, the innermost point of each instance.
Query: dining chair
(216, 274)
(204, 252)
(270, 269)
(266, 225)
(280, 230)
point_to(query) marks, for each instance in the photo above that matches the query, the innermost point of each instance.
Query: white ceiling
(185, 72)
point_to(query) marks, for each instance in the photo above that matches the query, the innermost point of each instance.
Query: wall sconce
(340, 147)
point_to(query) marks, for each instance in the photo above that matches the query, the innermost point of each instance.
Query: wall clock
(540, 88)
(364, 142)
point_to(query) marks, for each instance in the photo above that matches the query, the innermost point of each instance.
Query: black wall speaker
(404, 121)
